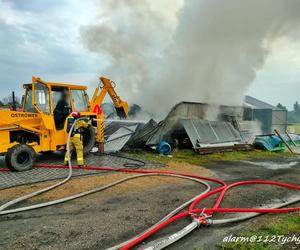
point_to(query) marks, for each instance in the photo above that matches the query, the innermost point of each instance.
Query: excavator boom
(108, 88)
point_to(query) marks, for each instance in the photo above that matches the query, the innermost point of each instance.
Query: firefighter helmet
(76, 115)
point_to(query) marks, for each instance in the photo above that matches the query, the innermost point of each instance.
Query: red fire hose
(199, 214)
(139, 171)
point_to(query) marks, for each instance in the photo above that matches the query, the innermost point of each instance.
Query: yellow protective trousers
(76, 143)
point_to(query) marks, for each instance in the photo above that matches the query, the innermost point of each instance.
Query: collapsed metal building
(190, 125)
(203, 127)
(190, 120)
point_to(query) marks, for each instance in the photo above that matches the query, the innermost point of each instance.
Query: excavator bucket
(121, 113)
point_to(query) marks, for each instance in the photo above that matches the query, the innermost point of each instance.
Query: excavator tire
(20, 158)
(89, 139)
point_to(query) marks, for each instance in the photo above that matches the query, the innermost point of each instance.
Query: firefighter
(76, 138)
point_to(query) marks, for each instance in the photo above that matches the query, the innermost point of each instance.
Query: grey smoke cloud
(204, 51)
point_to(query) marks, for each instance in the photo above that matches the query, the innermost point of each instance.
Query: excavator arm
(108, 88)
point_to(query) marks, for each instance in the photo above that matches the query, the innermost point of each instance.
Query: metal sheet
(189, 110)
(111, 126)
(117, 140)
(203, 132)
(143, 134)
(258, 104)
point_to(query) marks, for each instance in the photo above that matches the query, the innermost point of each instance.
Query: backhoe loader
(34, 130)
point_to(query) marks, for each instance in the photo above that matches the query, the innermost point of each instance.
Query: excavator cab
(55, 99)
(45, 97)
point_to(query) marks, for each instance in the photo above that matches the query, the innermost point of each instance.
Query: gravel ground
(104, 219)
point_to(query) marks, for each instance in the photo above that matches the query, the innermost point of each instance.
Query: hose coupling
(205, 220)
(202, 219)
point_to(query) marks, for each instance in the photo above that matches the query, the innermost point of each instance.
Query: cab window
(28, 102)
(79, 100)
(57, 94)
(41, 94)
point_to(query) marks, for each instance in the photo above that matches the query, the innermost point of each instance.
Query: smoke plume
(164, 52)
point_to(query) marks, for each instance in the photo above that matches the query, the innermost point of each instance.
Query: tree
(297, 108)
(8, 101)
(280, 106)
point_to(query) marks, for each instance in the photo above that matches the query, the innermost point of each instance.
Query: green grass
(189, 156)
(287, 225)
(294, 128)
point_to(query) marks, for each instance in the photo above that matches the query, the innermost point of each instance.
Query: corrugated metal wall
(267, 119)
(279, 120)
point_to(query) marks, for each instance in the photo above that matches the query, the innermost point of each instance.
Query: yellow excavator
(40, 127)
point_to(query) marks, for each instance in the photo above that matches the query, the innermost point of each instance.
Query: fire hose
(202, 218)
(44, 190)
(199, 216)
(170, 239)
(82, 194)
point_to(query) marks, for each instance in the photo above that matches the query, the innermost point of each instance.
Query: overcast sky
(42, 38)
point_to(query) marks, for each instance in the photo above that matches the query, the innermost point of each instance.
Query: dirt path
(107, 218)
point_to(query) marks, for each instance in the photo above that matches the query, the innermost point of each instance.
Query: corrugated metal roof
(189, 110)
(143, 133)
(258, 104)
(210, 132)
(112, 126)
(118, 139)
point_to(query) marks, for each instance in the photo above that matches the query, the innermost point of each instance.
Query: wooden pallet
(221, 149)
